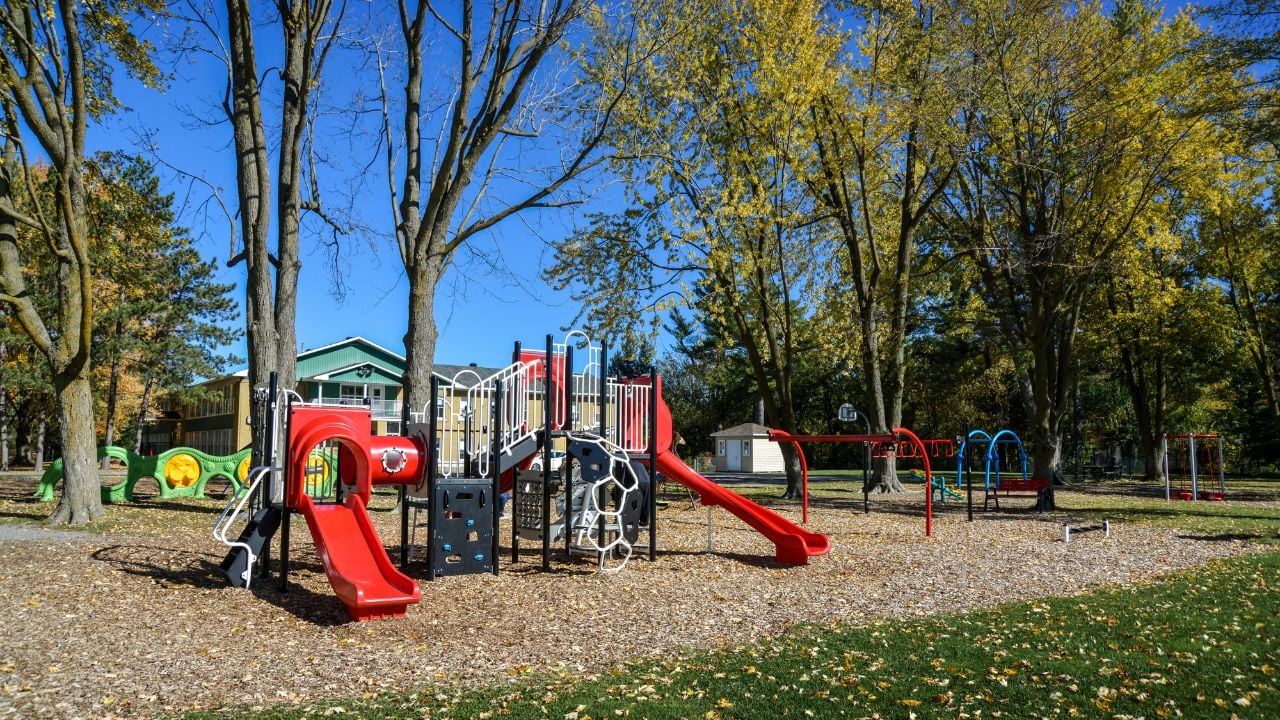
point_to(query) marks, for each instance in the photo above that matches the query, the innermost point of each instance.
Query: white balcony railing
(381, 409)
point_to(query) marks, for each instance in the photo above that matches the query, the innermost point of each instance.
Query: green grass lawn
(1200, 644)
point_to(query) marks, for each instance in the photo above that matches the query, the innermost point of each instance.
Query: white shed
(747, 448)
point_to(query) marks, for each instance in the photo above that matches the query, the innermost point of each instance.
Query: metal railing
(381, 409)
(466, 423)
(628, 415)
(586, 387)
(232, 512)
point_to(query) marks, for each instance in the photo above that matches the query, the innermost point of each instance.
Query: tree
(1162, 327)
(185, 331)
(493, 108)
(130, 223)
(56, 67)
(885, 145)
(309, 29)
(1085, 118)
(710, 145)
(1236, 229)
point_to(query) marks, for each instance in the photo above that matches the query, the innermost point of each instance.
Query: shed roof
(745, 429)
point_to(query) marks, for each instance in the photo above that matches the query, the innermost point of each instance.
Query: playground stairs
(518, 452)
(253, 539)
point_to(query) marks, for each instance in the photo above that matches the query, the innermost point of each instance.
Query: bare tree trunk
(113, 388)
(4, 420)
(253, 186)
(80, 502)
(41, 427)
(142, 415)
(420, 337)
(497, 63)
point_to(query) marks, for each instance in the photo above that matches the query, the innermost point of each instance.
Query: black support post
(602, 494)
(653, 464)
(433, 455)
(404, 525)
(495, 467)
(515, 493)
(548, 419)
(968, 475)
(286, 476)
(566, 472)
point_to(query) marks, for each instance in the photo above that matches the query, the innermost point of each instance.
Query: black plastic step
(261, 528)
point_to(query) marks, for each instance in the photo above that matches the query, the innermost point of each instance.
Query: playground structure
(1193, 485)
(179, 472)
(993, 484)
(455, 462)
(881, 446)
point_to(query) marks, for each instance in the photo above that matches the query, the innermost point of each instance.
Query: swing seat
(1214, 495)
(1184, 495)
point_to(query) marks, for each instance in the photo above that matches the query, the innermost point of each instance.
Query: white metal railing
(586, 386)
(379, 408)
(465, 424)
(628, 415)
(232, 512)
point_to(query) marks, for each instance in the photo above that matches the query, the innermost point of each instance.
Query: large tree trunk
(253, 188)
(420, 337)
(1148, 399)
(113, 389)
(41, 428)
(81, 500)
(1052, 337)
(4, 421)
(142, 415)
(884, 470)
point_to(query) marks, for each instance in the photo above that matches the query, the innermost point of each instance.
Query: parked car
(557, 459)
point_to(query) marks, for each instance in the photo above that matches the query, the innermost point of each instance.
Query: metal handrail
(232, 511)
(462, 425)
(514, 411)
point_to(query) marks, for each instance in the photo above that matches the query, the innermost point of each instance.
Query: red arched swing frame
(781, 436)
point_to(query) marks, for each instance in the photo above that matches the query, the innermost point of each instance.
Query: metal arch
(982, 436)
(991, 452)
(928, 478)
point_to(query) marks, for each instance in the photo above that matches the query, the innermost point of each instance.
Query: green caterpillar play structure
(179, 472)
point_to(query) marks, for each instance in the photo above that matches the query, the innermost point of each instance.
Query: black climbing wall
(461, 528)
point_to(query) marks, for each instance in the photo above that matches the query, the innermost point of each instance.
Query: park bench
(1014, 488)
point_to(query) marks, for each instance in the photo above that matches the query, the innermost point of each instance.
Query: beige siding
(241, 429)
(766, 457)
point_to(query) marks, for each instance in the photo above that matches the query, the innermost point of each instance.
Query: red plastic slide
(794, 544)
(357, 564)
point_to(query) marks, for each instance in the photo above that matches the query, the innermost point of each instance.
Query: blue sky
(492, 296)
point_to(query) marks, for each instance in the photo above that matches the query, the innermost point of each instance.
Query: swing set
(1195, 484)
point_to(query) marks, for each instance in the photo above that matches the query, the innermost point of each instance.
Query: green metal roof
(350, 353)
(366, 373)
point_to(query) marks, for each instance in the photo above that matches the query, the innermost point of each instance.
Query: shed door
(733, 462)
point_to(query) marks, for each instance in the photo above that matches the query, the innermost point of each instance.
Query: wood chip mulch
(103, 626)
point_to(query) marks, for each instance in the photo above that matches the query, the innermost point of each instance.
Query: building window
(351, 394)
(721, 447)
(214, 442)
(440, 408)
(219, 402)
(746, 448)
(393, 427)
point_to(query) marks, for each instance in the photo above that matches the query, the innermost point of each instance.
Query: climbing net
(599, 527)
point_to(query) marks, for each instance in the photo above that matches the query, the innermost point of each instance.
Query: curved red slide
(794, 544)
(357, 564)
